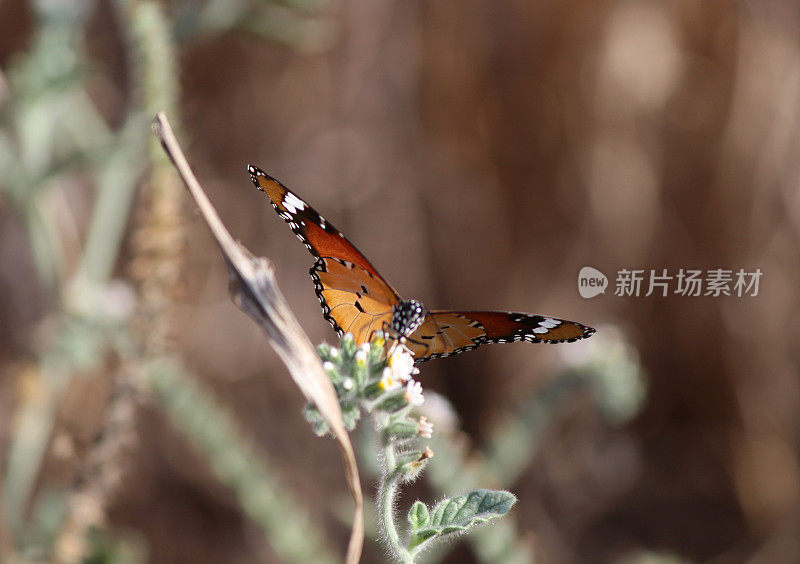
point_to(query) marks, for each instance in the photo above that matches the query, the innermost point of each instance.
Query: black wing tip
(255, 172)
(586, 331)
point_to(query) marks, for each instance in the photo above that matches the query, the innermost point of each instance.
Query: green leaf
(347, 346)
(350, 414)
(418, 515)
(392, 401)
(318, 424)
(324, 351)
(457, 514)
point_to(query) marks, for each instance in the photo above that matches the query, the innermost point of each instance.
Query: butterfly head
(407, 317)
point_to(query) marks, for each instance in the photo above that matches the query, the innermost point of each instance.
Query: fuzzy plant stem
(387, 492)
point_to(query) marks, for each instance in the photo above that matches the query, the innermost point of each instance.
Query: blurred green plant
(54, 138)
(49, 133)
(304, 25)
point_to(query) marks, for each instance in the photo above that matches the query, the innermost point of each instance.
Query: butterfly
(356, 299)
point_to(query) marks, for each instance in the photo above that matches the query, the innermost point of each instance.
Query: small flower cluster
(364, 378)
(379, 380)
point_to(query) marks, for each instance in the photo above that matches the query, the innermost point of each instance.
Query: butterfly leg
(386, 328)
(399, 341)
(426, 345)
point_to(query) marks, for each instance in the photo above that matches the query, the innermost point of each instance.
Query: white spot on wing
(293, 203)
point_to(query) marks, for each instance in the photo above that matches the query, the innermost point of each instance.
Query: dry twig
(254, 291)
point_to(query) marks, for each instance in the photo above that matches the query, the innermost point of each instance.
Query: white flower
(425, 427)
(348, 384)
(327, 366)
(401, 363)
(414, 393)
(388, 381)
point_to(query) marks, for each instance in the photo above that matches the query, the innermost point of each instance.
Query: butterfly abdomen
(407, 316)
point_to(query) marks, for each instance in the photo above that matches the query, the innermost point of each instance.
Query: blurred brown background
(480, 153)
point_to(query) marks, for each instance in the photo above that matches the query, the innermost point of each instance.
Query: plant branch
(386, 501)
(254, 290)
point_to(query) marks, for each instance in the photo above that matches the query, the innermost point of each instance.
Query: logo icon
(591, 282)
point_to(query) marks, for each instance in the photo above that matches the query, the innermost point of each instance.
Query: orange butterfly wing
(354, 296)
(356, 299)
(445, 333)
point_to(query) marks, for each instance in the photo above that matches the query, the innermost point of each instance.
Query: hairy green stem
(386, 495)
